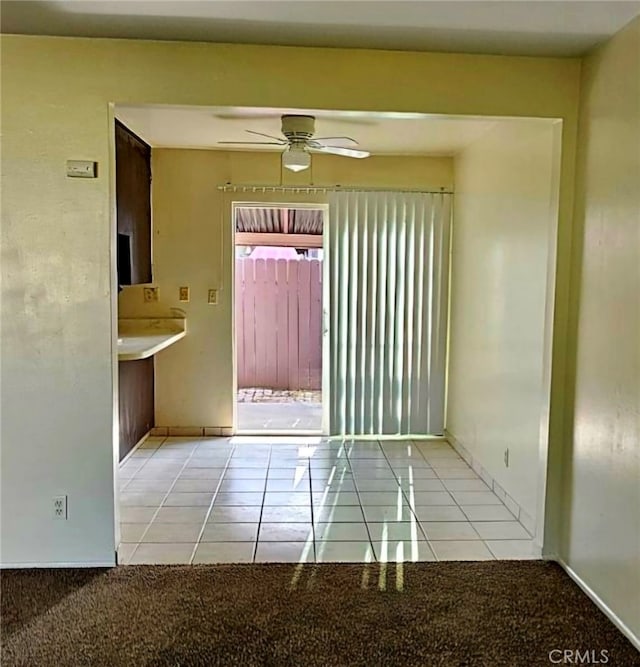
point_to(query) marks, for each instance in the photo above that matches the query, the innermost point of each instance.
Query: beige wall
(601, 515)
(58, 234)
(503, 232)
(192, 246)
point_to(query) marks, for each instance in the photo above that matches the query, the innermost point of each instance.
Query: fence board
(240, 328)
(282, 318)
(315, 327)
(293, 337)
(279, 323)
(261, 319)
(270, 323)
(304, 314)
(249, 321)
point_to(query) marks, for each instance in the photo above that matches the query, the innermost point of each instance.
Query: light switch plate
(213, 297)
(184, 294)
(82, 169)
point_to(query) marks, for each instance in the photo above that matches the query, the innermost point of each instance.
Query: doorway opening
(483, 473)
(278, 310)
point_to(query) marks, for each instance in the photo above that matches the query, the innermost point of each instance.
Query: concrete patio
(262, 409)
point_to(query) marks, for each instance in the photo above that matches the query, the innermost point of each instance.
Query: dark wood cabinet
(136, 402)
(133, 203)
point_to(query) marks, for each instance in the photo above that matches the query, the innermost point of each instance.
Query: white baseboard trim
(382, 436)
(518, 512)
(57, 565)
(603, 606)
(191, 431)
(226, 431)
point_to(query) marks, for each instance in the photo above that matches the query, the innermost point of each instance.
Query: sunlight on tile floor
(307, 499)
(280, 416)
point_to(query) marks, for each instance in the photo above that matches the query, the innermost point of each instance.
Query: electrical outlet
(506, 457)
(184, 294)
(213, 297)
(60, 507)
(150, 294)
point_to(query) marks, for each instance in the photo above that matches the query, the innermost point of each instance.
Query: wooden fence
(278, 311)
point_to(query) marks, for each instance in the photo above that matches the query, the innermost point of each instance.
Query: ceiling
(379, 133)
(514, 27)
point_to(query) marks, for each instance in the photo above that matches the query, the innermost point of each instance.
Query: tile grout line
(428, 540)
(378, 454)
(144, 459)
(422, 530)
(459, 506)
(415, 516)
(364, 516)
(435, 472)
(342, 450)
(166, 495)
(264, 497)
(486, 546)
(313, 523)
(209, 510)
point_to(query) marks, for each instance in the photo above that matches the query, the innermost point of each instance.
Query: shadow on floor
(27, 594)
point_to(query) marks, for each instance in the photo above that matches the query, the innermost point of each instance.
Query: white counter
(140, 338)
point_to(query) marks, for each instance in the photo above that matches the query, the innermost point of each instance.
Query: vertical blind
(388, 263)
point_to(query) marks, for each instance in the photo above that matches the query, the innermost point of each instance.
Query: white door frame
(271, 201)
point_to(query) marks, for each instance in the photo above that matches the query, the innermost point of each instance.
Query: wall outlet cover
(60, 508)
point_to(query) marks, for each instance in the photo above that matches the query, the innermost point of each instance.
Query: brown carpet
(423, 614)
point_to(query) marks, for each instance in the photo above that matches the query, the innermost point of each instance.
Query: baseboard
(382, 436)
(56, 565)
(514, 507)
(226, 431)
(603, 606)
(191, 431)
(267, 433)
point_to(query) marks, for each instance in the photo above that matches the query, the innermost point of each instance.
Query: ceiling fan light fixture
(296, 159)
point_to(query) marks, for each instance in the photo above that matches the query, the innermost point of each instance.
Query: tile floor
(279, 499)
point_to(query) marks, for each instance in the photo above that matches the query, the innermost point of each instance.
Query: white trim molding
(518, 512)
(600, 603)
(56, 565)
(191, 431)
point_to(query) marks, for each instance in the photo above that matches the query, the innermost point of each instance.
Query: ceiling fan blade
(280, 140)
(339, 150)
(253, 143)
(351, 139)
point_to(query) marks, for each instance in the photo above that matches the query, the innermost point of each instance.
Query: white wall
(192, 245)
(58, 268)
(601, 513)
(503, 230)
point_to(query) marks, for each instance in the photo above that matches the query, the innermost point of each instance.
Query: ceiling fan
(298, 141)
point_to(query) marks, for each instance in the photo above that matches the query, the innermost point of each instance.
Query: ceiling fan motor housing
(298, 128)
